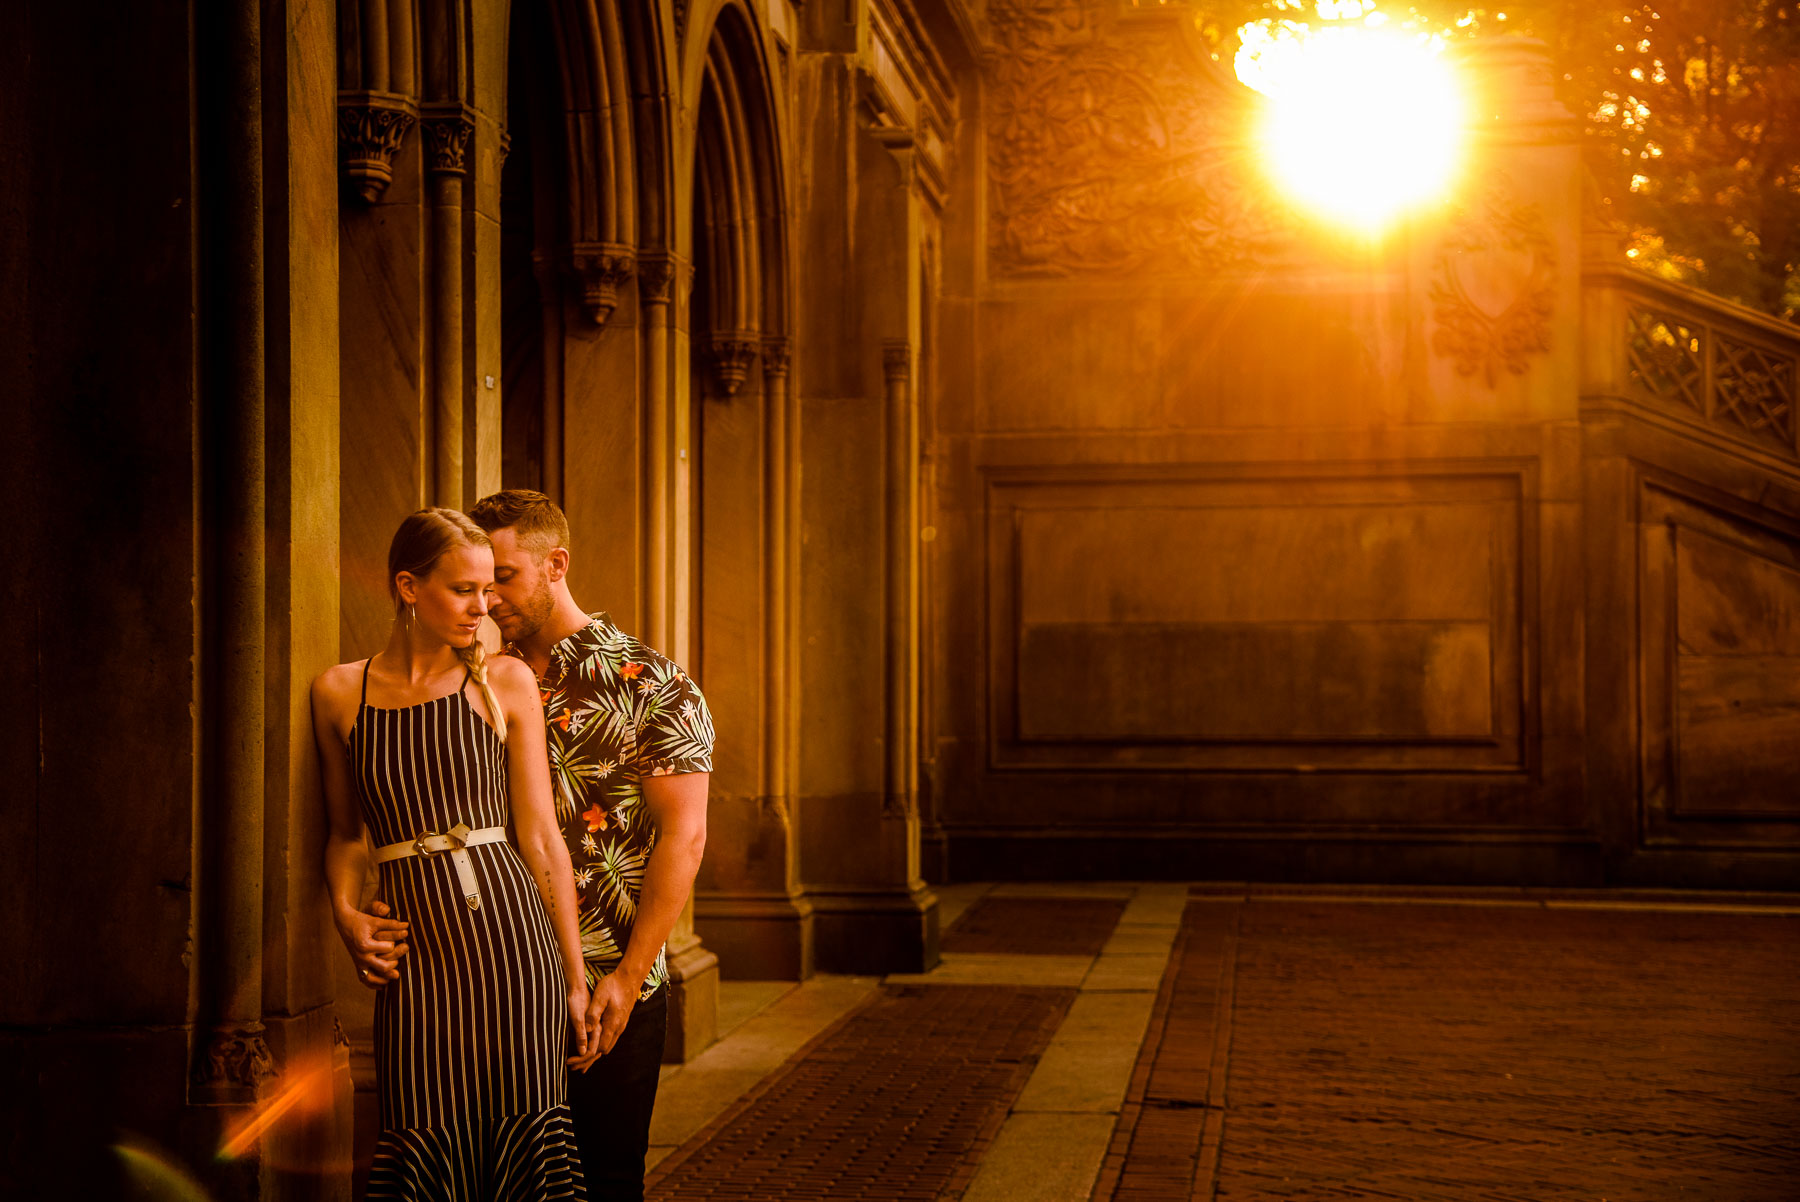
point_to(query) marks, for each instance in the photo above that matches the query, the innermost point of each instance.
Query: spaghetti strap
(364, 699)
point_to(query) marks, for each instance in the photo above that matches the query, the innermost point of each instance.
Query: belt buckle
(457, 842)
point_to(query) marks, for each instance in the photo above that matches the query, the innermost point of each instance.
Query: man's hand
(375, 942)
(608, 1011)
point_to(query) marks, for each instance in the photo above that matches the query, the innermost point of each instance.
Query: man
(630, 743)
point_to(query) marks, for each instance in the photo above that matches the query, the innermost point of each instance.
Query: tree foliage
(1691, 111)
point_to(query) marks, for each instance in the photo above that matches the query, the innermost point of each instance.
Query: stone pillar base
(757, 936)
(693, 999)
(873, 932)
(934, 856)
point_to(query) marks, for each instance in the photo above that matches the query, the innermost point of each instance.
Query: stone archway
(741, 446)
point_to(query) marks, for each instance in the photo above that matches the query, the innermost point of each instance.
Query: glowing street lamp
(1362, 122)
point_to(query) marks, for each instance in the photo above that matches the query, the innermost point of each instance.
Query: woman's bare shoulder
(505, 672)
(338, 682)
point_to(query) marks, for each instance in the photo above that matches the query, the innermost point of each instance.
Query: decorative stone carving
(1706, 371)
(1663, 357)
(236, 1054)
(1754, 388)
(731, 356)
(338, 1038)
(1113, 147)
(371, 127)
(775, 351)
(447, 140)
(1493, 287)
(896, 360)
(656, 278)
(601, 269)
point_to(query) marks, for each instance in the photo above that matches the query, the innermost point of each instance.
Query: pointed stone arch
(739, 198)
(750, 909)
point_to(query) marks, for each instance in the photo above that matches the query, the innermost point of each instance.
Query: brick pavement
(897, 1101)
(1040, 926)
(1320, 1050)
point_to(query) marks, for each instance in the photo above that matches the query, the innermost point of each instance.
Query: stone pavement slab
(1044, 1158)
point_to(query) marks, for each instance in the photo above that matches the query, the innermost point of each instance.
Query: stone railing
(1704, 361)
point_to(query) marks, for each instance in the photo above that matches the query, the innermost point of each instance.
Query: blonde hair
(417, 546)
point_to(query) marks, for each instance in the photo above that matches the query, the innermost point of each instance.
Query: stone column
(663, 283)
(778, 513)
(750, 908)
(852, 786)
(447, 143)
(898, 800)
(301, 953)
(235, 1058)
(656, 287)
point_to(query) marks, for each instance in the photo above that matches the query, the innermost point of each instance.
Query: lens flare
(155, 1175)
(308, 1090)
(1363, 122)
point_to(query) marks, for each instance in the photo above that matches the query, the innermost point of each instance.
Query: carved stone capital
(447, 133)
(896, 360)
(731, 356)
(371, 127)
(236, 1055)
(775, 349)
(656, 277)
(601, 269)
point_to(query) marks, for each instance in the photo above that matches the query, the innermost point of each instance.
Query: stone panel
(1212, 619)
(1255, 680)
(1720, 658)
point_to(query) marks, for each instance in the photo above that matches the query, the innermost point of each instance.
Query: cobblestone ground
(1469, 1054)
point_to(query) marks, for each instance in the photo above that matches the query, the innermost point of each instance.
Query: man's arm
(678, 806)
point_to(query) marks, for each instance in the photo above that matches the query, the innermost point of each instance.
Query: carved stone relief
(1724, 377)
(236, 1054)
(1493, 287)
(447, 139)
(371, 127)
(600, 270)
(731, 356)
(1112, 147)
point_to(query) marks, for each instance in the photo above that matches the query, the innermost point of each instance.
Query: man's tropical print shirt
(617, 712)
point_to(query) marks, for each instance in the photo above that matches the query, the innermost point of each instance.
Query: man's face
(522, 598)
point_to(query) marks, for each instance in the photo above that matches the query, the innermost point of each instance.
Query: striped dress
(470, 1042)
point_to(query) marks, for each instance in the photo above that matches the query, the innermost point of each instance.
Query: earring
(411, 616)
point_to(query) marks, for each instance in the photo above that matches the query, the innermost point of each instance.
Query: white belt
(456, 841)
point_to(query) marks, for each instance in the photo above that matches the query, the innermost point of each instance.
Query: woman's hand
(586, 1036)
(375, 943)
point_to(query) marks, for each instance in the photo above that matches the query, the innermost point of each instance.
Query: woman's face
(449, 603)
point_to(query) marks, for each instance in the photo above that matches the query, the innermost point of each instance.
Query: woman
(435, 749)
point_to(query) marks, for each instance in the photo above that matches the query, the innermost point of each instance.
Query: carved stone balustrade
(1680, 354)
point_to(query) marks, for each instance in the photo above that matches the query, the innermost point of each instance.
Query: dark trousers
(612, 1101)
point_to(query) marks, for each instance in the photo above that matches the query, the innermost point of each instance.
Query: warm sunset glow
(1363, 121)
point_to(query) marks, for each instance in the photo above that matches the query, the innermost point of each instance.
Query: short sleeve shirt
(617, 712)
